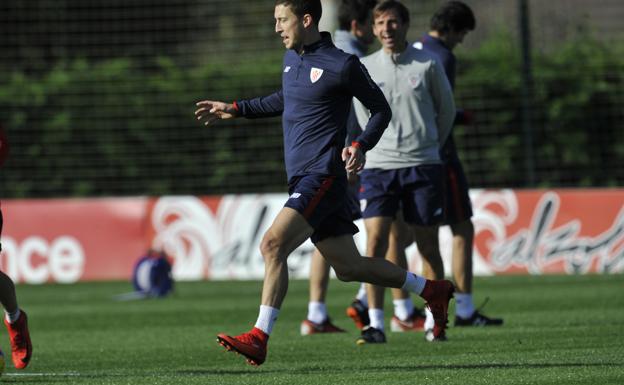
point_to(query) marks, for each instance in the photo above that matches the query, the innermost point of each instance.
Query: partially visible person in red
(15, 319)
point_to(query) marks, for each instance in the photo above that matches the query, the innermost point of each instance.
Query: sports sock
(403, 308)
(361, 295)
(317, 312)
(12, 317)
(267, 318)
(429, 321)
(376, 318)
(464, 307)
(414, 283)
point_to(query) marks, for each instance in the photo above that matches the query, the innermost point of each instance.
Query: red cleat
(252, 345)
(21, 347)
(438, 294)
(359, 314)
(308, 327)
(415, 323)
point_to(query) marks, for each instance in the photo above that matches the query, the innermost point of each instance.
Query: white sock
(414, 283)
(376, 318)
(12, 317)
(362, 295)
(464, 307)
(429, 321)
(267, 318)
(317, 312)
(403, 308)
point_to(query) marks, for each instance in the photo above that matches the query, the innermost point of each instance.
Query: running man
(318, 84)
(354, 35)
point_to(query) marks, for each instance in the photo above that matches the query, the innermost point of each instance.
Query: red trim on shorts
(326, 185)
(455, 193)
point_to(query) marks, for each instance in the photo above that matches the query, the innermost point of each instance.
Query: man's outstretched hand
(210, 111)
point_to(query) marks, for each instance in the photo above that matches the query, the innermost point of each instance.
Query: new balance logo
(295, 195)
(287, 68)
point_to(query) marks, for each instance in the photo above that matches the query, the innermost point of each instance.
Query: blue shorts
(322, 200)
(353, 200)
(418, 191)
(458, 206)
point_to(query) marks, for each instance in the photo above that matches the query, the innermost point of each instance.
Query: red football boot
(438, 294)
(415, 322)
(21, 347)
(359, 314)
(252, 345)
(308, 327)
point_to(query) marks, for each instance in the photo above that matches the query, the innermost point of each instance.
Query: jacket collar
(324, 42)
(433, 40)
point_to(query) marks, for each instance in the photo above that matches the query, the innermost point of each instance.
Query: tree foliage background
(97, 100)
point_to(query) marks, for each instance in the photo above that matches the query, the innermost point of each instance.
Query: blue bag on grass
(152, 275)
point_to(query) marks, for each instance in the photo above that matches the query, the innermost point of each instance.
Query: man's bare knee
(270, 247)
(346, 274)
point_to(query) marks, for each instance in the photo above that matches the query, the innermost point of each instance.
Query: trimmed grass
(558, 329)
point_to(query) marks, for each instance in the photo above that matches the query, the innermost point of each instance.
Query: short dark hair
(357, 10)
(302, 7)
(394, 5)
(453, 16)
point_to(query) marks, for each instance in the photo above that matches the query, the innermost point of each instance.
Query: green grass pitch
(558, 330)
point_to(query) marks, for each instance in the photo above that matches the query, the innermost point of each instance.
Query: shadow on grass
(61, 378)
(329, 370)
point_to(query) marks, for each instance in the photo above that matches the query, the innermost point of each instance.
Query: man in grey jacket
(404, 171)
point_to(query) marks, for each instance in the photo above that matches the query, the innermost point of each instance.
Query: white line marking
(71, 374)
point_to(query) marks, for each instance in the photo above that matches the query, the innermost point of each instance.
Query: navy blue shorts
(322, 200)
(418, 191)
(353, 200)
(458, 206)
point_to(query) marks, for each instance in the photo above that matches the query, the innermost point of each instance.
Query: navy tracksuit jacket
(315, 100)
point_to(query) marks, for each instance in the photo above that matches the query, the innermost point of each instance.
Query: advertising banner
(70, 240)
(536, 232)
(218, 237)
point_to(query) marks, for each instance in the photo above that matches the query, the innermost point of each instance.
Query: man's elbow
(387, 115)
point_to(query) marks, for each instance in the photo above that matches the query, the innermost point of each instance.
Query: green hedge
(577, 114)
(114, 128)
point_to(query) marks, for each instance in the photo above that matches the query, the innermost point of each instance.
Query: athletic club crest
(415, 80)
(315, 74)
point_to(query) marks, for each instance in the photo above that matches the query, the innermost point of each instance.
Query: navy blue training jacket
(315, 100)
(437, 47)
(446, 56)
